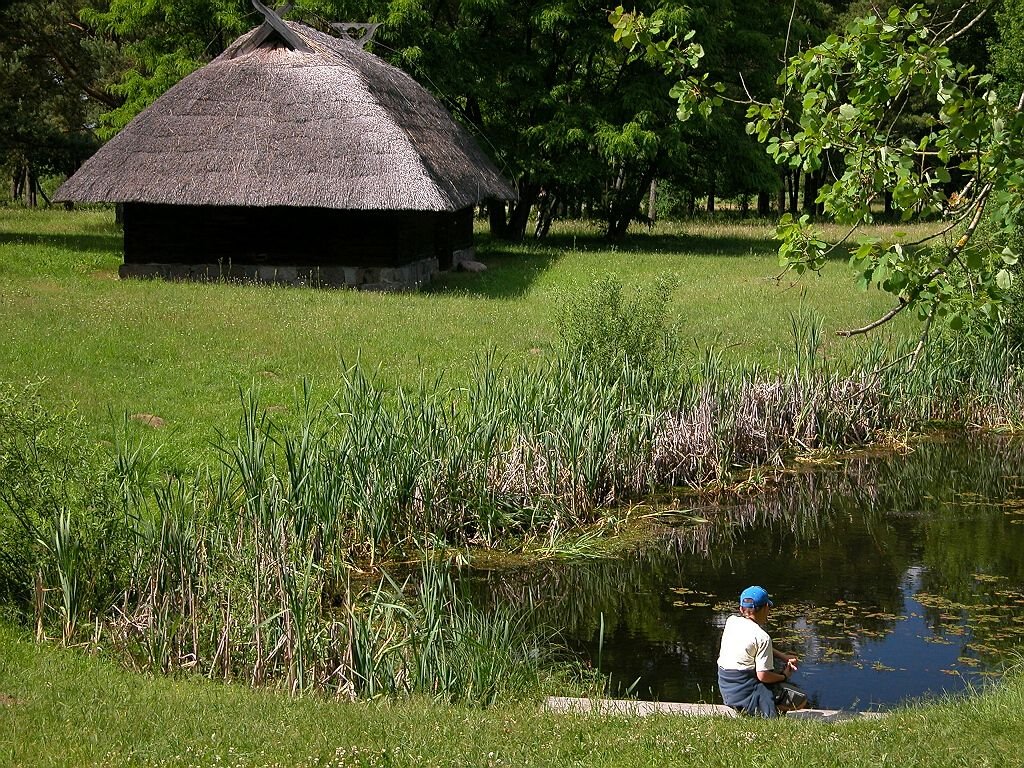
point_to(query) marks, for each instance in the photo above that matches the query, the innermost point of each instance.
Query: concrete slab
(832, 715)
(631, 708)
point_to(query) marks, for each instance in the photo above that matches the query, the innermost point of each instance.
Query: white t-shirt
(745, 646)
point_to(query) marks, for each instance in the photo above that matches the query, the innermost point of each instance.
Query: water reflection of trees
(833, 542)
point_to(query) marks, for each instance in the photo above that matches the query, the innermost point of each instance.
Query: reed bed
(377, 473)
(249, 569)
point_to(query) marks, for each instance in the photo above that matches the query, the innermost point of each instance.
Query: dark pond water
(894, 577)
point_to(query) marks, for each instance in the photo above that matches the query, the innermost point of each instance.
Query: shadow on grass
(726, 245)
(702, 245)
(704, 238)
(511, 270)
(105, 243)
(732, 246)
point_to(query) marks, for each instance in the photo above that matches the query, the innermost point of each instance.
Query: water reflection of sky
(889, 574)
(912, 662)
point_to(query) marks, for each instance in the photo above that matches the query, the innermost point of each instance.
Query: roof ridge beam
(273, 23)
(348, 27)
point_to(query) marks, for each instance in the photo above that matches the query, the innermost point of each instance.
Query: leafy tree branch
(964, 168)
(843, 109)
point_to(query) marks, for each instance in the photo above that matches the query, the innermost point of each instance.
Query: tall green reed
(67, 559)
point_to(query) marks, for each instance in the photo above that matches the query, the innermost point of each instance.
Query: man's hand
(786, 656)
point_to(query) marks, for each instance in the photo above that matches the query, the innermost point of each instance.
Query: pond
(895, 576)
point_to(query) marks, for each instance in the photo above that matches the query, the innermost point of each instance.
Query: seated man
(746, 662)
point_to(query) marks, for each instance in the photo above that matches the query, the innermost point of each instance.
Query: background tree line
(582, 128)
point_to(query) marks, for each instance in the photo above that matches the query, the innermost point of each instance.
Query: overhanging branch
(953, 255)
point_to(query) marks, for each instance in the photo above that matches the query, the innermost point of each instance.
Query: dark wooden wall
(453, 232)
(172, 234)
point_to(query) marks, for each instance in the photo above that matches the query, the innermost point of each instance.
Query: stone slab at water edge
(632, 708)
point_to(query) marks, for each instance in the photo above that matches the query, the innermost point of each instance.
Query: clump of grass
(282, 622)
(976, 381)
(605, 328)
(231, 573)
(61, 517)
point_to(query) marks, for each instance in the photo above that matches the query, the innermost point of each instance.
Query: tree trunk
(626, 200)
(30, 186)
(793, 181)
(764, 204)
(547, 206)
(42, 193)
(19, 189)
(519, 216)
(496, 217)
(812, 182)
(711, 201)
(652, 207)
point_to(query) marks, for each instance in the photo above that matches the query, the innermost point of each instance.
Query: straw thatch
(323, 124)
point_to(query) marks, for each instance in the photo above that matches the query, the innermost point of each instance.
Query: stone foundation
(463, 254)
(408, 277)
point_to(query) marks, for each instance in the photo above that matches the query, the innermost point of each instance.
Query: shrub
(607, 328)
(61, 518)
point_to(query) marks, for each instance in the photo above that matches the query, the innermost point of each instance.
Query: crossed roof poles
(274, 23)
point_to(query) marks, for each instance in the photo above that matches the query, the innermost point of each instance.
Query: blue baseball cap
(755, 597)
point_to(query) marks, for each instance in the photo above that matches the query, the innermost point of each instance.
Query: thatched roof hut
(293, 150)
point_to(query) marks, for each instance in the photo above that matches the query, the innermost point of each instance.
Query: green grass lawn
(62, 708)
(182, 351)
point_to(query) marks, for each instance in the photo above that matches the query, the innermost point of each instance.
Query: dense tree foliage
(52, 75)
(159, 42)
(573, 121)
(965, 166)
(898, 107)
(578, 122)
(76, 71)
(746, 43)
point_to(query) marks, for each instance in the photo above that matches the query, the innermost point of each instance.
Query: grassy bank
(462, 426)
(236, 562)
(180, 352)
(241, 568)
(66, 709)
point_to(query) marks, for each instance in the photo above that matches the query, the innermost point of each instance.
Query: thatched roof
(271, 124)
